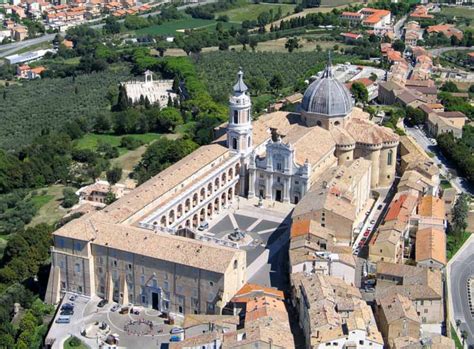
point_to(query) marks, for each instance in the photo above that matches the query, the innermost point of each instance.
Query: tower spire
(328, 71)
(240, 86)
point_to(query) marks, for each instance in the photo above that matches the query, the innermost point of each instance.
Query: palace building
(145, 248)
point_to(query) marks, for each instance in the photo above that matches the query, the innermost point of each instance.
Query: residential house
(448, 30)
(397, 317)
(431, 213)
(423, 286)
(444, 122)
(430, 248)
(333, 313)
(19, 33)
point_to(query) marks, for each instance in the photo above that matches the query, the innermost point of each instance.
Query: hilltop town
(236, 175)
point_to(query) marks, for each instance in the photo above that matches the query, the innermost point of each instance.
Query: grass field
(91, 140)
(458, 12)
(172, 27)
(252, 11)
(130, 159)
(49, 205)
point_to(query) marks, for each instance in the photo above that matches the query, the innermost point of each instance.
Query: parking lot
(93, 324)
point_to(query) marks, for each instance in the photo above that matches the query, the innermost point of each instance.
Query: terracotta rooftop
(163, 246)
(431, 245)
(431, 206)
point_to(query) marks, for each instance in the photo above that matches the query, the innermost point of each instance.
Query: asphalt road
(397, 28)
(459, 183)
(437, 51)
(9, 49)
(460, 271)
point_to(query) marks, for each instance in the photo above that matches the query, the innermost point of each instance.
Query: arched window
(390, 157)
(319, 123)
(336, 123)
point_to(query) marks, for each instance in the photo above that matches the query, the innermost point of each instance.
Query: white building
(157, 92)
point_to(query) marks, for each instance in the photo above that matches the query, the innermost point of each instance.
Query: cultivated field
(458, 12)
(169, 28)
(252, 11)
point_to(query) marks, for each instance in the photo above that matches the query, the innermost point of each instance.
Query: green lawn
(455, 338)
(458, 12)
(67, 345)
(41, 200)
(91, 140)
(48, 202)
(453, 244)
(252, 11)
(169, 28)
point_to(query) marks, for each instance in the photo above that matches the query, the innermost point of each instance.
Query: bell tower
(239, 131)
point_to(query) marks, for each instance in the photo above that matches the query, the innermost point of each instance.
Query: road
(9, 49)
(438, 51)
(460, 268)
(397, 28)
(459, 183)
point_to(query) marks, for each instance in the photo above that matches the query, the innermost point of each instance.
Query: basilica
(131, 250)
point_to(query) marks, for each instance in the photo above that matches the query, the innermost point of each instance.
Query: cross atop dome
(240, 86)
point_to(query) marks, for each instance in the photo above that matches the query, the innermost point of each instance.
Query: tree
(169, 118)
(398, 45)
(360, 93)
(253, 42)
(463, 336)
(69, 198)
(102, 123)
(112, 26)
(123, 102)
(110, 197)
(459, 214)
(114, 175)
(415, 116)
(263, 19)
(292, 44)
(276, 82)
(449, 86)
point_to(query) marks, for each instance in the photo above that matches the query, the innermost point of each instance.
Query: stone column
(252, 174)
(268, 186)
(286, 190)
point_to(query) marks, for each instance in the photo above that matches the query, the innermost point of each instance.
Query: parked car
(379, 207)
(114, 308)
(124, 310)
(370, 282)
(102, 303)
(67, 306)
(369, 289)
(62, 319)
(67, 312)
(175, 339)
(203, 226)
(372, 221)
(176, 330)
(367, 233)
(73, 297)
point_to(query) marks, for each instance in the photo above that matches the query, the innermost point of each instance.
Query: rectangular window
(166, 285)
(63, 285)
(210, 307)
(236, 117)
(142, 280)
(279, 166)
(79, 289)
(61, 264)
(77, 267)
(129, 266)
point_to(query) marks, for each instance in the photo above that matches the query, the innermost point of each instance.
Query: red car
(367, 233)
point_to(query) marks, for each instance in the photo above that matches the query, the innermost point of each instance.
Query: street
(397, 28)
(459, 183)
(460, 268)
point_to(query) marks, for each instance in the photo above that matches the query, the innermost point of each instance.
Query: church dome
(327, 96)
